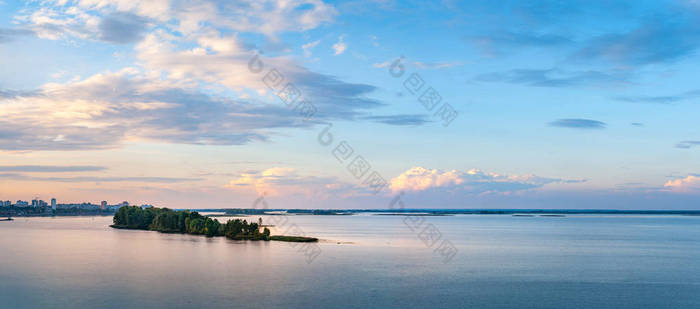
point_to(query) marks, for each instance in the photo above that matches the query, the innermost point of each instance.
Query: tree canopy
(189, 222)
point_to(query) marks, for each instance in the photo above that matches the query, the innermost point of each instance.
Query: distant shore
(44, 212)
(441, 212)
(228, 212)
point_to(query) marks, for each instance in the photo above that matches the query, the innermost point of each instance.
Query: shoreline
(272, 237)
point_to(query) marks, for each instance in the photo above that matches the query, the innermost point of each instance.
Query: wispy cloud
(507, 41)
(11, 94)
(662, 38)
(660, 99)
(10, 34)
(340, 46)
(687, 144)
(308, 46)
(399, 120)
(575, 123)
(420, 65)
(51, 168)
(15, 176)
(553, 77)
(437, 65)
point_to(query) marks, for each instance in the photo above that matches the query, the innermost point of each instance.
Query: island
(166, 220)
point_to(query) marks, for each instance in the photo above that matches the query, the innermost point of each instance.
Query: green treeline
(169, 221)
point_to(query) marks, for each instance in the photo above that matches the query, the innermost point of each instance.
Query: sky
(349, 104)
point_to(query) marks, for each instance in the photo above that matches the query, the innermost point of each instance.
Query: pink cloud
(687, 184)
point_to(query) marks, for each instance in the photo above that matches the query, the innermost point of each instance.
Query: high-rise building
(103, 205)
(53, 203)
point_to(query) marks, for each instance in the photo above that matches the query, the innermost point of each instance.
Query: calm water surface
(365, 262)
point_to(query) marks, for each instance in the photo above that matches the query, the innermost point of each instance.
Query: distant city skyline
(54, 205)
(330, 104)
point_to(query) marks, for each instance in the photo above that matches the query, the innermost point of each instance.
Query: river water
(363, 261)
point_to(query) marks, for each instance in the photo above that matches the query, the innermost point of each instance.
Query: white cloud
(184, 50)
(340, 46)
(437, 65)
(690, 183)
(81, 19)
(224, 60)
(283, 181)
(375, 40)
(420, 179)
(308, 46)
(420, 65)
(383, 64)
(106, 110)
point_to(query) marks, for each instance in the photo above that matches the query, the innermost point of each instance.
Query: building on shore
(53, 204)
(103, 205)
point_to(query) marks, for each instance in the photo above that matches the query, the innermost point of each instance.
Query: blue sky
(577, 104)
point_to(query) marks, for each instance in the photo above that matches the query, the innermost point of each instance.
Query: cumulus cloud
(84, 18)
(224, 60)
(688, 184)
(163, 99)
(184, 49)
(54, 22)
(108, 109)
(420, 179)
(279, 181)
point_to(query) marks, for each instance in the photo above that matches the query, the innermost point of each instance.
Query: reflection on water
(503, 262)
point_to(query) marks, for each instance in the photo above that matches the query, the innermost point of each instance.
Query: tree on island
(188, 222)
